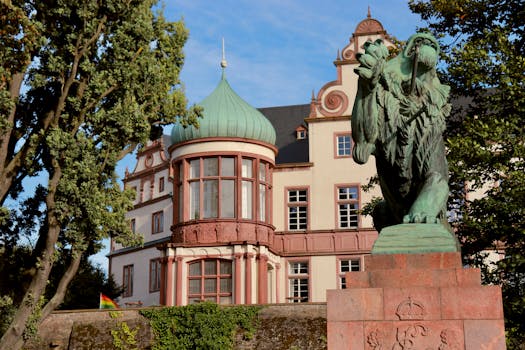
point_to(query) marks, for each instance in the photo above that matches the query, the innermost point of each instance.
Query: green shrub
(205, 326)
(7, 310)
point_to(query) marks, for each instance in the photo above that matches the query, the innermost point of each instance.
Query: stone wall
(281, 327)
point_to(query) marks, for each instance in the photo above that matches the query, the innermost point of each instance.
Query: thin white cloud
(278, 51)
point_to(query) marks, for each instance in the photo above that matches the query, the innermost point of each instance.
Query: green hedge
(205, 326)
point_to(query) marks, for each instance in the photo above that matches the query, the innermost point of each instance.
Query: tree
(484, 52)
(82, 293)
(85, 288)
(82, 83)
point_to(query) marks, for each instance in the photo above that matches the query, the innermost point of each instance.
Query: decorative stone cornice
(146, 172)
(319, 242)
(328, 119)
(219, 139)
(291, 166)
(221, 232)
(151, 201)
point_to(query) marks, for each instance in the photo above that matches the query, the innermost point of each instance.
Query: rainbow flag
(107, 303)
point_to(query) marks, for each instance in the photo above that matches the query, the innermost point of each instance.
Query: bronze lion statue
(399, 117)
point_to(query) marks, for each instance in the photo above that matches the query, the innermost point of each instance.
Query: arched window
(210, 279)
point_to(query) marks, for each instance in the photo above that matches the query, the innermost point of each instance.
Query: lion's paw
(419, 218)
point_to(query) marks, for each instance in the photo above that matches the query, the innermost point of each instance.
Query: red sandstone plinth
(418, 302)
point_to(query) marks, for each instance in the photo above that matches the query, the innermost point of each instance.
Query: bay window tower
(221, 174)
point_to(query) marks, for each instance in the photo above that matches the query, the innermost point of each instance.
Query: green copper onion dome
(225, 114)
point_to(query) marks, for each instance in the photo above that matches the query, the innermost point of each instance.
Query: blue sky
(278, 51)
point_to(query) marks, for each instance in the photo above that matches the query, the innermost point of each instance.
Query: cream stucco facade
(224, 220)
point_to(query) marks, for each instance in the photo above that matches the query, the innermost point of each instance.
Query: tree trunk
(57, 299)
(13, 338)
(7, 177)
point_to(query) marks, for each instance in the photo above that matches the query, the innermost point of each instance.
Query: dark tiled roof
(285, 120)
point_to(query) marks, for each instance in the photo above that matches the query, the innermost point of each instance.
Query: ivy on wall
(124, 337)
(200, 326)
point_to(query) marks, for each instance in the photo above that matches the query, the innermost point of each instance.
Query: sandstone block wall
(281, 327)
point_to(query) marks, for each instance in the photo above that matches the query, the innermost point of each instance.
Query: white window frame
(347, 265)
(298, 279)
(347, 206)
(297, 208)
(343, 145)
(217, 294)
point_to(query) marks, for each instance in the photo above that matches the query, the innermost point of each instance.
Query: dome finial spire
(368, 14)
(224, 64)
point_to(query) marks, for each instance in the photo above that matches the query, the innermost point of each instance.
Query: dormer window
(300, 132)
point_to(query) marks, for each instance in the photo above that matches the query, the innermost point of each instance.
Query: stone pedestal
(418, 302)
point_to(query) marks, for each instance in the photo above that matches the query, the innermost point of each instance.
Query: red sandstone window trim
(178, 191)
(127, 281)
(161, 184)
(248, 205)
(297, 214)
(347, 205)
(248, 186)
(296, 279)
(263, 183)
(342, 145)
(157, 222)
(154, 275)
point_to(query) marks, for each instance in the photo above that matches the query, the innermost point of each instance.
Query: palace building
(254, 206)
